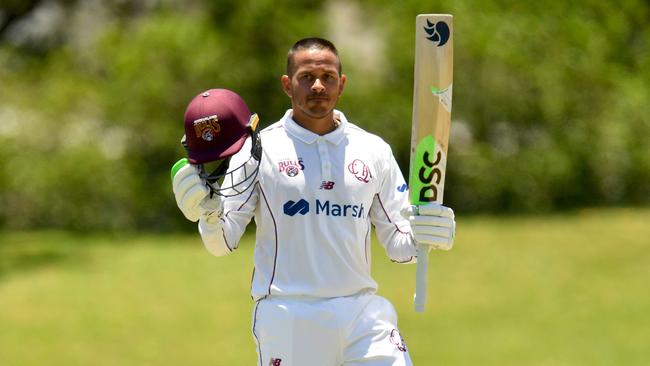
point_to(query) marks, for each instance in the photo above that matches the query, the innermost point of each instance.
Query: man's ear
(286, 84)
(342, 84)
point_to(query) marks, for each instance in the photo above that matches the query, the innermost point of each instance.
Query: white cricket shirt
(314, 201)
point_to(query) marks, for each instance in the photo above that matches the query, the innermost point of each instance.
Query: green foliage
(550, 99)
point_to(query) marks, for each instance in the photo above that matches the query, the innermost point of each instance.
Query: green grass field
(566, 289)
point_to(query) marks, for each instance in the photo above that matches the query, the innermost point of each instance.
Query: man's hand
(432, 224)
(192, 194)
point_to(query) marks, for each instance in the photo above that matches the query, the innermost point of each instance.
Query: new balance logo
(291, 208)
(327, 185)
(402, 188)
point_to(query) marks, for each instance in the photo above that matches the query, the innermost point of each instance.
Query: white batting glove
(192, 194)
(432, 224)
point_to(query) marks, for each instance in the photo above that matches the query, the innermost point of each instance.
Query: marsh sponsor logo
(334, 209)
(291, 208)
(325, 208)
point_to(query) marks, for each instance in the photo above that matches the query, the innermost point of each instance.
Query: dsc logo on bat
(429, 177)
(427, 171)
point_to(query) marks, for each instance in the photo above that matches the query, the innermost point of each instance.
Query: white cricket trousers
(358, 330)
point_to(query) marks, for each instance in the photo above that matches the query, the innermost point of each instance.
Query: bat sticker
(438, 32)
(427, 178)
(444, 96)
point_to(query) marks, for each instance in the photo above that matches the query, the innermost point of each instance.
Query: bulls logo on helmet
(217, 125)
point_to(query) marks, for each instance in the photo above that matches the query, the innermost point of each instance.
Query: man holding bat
(318, 186)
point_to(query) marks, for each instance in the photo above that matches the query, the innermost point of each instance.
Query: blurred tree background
(551, 98)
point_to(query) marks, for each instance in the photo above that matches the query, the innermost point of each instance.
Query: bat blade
(432, 97)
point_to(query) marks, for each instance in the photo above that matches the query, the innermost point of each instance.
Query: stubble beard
(318, 110)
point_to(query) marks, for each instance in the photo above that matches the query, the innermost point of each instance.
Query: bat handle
(421, 278)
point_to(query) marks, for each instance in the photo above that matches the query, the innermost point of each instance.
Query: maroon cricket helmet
(216, 125)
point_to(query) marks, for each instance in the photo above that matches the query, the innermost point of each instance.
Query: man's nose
(317, 86)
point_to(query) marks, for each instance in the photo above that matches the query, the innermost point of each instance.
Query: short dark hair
(307, 44)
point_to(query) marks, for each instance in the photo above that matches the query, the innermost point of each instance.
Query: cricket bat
(432, 92)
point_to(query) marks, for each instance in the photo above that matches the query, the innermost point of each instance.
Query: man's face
(315, 86)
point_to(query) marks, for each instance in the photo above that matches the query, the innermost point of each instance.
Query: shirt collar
(308, 137)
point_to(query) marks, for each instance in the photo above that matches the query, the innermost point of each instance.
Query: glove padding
(432, 224)
(192, 193)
